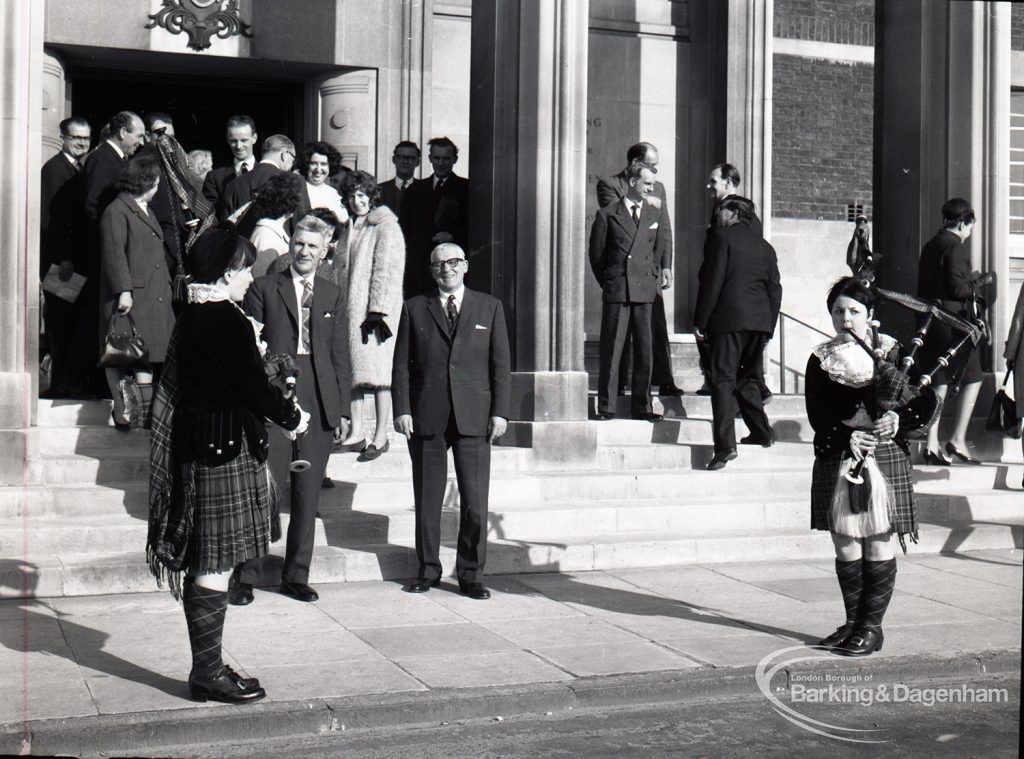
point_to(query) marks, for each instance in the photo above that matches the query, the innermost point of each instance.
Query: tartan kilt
(895, 467)
(235, 503)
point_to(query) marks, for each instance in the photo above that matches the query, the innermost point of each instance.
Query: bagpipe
(282, 372)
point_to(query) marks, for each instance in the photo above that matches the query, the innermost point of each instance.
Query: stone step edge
(163, 731)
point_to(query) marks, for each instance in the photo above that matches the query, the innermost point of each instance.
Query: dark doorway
(199, 105)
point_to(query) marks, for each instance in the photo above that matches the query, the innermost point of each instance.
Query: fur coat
(373, 271)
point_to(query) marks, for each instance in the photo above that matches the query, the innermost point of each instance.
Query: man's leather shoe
(704, 390)
(647, 416)
(666, 391)
(422, 585)
(240, 594)
(299, 591)
(764, 442)
(719, 460)
(224, 685)
(474, 590)
(604, 416)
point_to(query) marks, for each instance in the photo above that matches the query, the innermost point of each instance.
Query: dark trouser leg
(640, 328)
(851, 583)
(473, 470)
(614, 325)
(661, 369)
(725, 359)
(429, 455)
(204, 615)
(749, 377)
(704, 359)
(59, 322)
(879, 581)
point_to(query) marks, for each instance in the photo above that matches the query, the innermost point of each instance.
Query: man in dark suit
(303, 316)
(451, 387)
(406, 158)
(627, 244)
(610, 191)
(241, 135)
(62, 195)
(434, 210)
(278, 156)
(738, 304)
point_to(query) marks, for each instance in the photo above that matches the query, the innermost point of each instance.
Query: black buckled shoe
(863, 642)
(838, 638)
(226, 686)
(474, 590)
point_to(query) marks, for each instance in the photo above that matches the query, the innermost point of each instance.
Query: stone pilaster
(21, 33)
(528, 182)
(344, 109)
(749, 100)
(54, 103)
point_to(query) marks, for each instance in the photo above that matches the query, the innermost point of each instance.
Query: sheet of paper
(64, 290)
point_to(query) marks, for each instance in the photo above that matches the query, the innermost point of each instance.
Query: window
(1017, 162)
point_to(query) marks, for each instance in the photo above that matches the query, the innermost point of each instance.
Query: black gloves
(375, 323)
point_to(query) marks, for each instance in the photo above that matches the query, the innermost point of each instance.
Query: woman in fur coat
(373, 271)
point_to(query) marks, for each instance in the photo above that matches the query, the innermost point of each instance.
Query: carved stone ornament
(200, 20)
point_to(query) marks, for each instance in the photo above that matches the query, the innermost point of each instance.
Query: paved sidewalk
(119, 660)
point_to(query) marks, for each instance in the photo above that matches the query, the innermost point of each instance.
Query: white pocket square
(653, 226)
(480, 326)
(328, 314)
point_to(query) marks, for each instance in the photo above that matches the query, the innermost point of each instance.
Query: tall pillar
(528, 182)
(343, 109)
(21, 33)
(749, 103)
(54, 103)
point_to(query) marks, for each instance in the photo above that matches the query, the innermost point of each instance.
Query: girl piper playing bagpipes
(858, 435)
(212, 501)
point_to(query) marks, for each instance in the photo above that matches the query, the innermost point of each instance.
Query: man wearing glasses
(62, 195)
(405, 158)
(278, 156)
(451, 386)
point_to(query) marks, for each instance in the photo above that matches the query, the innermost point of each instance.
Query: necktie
(438, 186)
(243, 168)
(453, 315)
(307, 303)
(636, 214)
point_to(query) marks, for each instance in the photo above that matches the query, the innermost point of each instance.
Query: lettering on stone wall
(200, 20)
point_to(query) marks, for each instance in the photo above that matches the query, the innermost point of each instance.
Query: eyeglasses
(79, 138)
(453, 263)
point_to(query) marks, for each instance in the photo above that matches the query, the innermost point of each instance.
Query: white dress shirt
(249, 162)
(458, 300)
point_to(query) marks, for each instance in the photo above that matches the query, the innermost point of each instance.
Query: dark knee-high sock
(851, 583)
(879, 581)
(146, 405)
(204, 614)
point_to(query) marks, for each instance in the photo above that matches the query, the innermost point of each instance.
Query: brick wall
(850, 22)
(821, 137)
(1017, 27)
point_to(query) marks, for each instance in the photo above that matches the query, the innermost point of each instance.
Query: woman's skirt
(235, 503)
(895, 467)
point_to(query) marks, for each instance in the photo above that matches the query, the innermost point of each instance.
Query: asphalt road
(737, 728)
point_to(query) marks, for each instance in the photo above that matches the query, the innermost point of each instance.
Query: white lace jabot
(848, 363)
(202, 293)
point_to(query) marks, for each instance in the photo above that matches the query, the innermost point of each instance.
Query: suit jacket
(215, 185)
(424, 213)
(271, 300)
(62, 193)
(435, 375)
(102, 169)
(391, 197)
(240, 191)
(615, 188)
(626, 258)
(739, 287)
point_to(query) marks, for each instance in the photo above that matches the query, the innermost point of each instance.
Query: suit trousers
(661, 358)
(736, 368)
(303, 487)
(429, 454)
(616, 320)
(60, 325)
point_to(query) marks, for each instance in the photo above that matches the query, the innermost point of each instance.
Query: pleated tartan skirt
(895, 467)
(235, 503)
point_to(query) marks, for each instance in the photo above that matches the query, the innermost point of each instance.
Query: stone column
(528, 183)
(54, 103)
(21, 33)
(343, 110)
(749, 104)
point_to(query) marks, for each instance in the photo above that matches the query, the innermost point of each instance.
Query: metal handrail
(782, 349)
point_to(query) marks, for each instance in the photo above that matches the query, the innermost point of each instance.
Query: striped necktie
(453, 315)
(307, 304)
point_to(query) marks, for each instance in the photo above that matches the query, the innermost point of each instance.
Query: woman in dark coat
(839, 389)
(212, 501)
(135, 280)
(944, 274)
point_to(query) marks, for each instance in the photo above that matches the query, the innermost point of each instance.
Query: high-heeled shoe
(838, 638)
(935, 459)
(964, 458)
(120, 426)
(863, 642)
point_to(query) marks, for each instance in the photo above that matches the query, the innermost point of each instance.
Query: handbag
(123, 350)
(1002, 415)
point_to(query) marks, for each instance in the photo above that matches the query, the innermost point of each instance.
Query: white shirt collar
(71, 159)
(116, 147)
(250, 162)
(143, 205)
(438, 180)
(300, 280)
(459, 294)
(630, 203)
